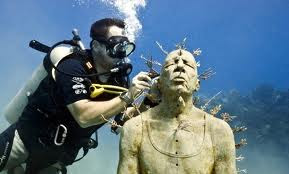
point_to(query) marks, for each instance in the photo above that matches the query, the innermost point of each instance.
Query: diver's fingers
(143, 76)
(143, 83)
(136, 81)
(140, 88)
(139, 83)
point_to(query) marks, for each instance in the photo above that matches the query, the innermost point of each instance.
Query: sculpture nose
(180, 65)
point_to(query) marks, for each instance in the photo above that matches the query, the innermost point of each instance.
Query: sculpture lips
(179, 79)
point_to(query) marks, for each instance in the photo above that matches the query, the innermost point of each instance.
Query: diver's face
(103, 58)
(179, 73)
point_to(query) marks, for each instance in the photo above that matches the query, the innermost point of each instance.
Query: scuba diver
(66, 108)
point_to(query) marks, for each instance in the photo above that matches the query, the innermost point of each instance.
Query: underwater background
(245, 42)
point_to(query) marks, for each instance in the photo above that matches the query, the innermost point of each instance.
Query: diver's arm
(88, 113)
(129, 144)
(224, 147)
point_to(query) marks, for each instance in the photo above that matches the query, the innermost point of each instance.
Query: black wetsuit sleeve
(73, 88)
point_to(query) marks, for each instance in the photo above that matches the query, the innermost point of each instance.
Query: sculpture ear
(198, 85)
(158, 83)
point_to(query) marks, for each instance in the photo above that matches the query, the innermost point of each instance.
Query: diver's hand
(154, 94)
(139, 83)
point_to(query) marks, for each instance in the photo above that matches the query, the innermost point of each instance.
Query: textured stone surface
(175, 136)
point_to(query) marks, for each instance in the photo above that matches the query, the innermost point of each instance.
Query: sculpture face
(179, 73)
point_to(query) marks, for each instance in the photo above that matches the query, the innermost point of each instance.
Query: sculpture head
(179, 75)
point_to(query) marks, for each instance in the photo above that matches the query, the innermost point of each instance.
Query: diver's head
(179, 74)
(109, 44)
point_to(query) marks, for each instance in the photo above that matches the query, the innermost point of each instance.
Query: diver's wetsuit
(45, 111)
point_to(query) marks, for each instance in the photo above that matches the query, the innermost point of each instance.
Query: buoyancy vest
(45, 113)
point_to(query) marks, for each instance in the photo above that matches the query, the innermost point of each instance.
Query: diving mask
(118, 46)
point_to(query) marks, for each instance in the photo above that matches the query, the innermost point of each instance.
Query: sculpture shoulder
(133, 127)
(217, 124)
(223, 145)
(133, 124)
(219, 130)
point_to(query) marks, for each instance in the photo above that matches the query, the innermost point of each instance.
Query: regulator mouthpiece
(122, 68)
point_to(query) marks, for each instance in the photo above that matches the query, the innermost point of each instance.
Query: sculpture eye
(168, 64)
(190, 65)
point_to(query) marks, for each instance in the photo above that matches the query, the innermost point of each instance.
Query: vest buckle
(60, 138)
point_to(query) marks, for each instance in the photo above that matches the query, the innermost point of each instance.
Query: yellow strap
(97, 89)
(113, 92)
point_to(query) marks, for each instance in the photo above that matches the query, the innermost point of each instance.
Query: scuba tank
(56, 53)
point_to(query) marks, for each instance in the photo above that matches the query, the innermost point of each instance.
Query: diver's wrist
(126, 97)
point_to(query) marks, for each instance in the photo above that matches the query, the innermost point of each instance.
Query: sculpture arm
(128, 151)
(224, 148)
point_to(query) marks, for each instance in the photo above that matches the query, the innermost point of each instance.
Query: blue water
(245, 42)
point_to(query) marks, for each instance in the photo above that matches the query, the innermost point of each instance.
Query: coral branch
(227, 117)
(237, 129)
(161, 47)
(243, 142)
(110, 121)
(136, 108)
(206, 104)
(150, 62)
(215, 110)
(207, 74)
(197, 52)
(182, 45)
(125, 115)
(241, 171)
(240, 158)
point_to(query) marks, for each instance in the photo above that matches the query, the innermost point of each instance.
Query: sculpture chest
(185, 147)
